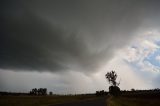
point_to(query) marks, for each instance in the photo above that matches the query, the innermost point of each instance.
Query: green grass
(41, 100)
(121, 101)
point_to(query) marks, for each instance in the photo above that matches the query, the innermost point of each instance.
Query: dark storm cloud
(31, 43)
(67, 35)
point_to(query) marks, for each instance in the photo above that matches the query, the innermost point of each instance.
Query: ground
(78, 100)
(131, 101)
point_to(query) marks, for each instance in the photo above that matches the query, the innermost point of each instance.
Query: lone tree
(113, 89)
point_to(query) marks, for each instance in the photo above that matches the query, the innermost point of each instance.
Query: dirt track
(95, 102)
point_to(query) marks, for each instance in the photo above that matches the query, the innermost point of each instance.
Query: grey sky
(78, 35)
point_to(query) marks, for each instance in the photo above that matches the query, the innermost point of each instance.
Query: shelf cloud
(73, 35)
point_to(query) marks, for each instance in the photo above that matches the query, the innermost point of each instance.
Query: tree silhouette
(40, 91)
(111, 77)
(113, 89)
(50, 93)
(34, 91)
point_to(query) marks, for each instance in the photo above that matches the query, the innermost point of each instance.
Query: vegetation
(125, 101)
(152, 93)
(42, 100)
(101, 93)
(111, 77)
(136, 98)
(113, 89)
(40, 91)
(39, 97)
(130, 98)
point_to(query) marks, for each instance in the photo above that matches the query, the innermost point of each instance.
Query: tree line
(34, 91)
(40, 91)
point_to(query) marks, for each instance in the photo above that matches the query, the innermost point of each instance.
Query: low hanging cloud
(56, 36)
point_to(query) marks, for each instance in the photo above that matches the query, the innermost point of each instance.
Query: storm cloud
(69, 35)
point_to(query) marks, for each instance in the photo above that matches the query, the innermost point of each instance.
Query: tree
(132, 89)
(40, 91)
(111, 77)
(113, 89)
(50, 93)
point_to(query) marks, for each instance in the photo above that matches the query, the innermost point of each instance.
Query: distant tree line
(13, 93)
(35, 91)
(141, 93)
(152, 93)
(101, 93)
(40, 91)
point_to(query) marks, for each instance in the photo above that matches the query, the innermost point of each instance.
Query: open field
(101, 101)
(125, 101)
(42, 100)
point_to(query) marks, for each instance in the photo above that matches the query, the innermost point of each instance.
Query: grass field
(124, 101)
(41, 100)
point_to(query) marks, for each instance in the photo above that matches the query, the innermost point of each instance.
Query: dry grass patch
(122, 101)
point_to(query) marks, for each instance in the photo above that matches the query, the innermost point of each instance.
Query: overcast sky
(68, 46)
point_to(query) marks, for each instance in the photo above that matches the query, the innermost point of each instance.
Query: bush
(114, 90)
